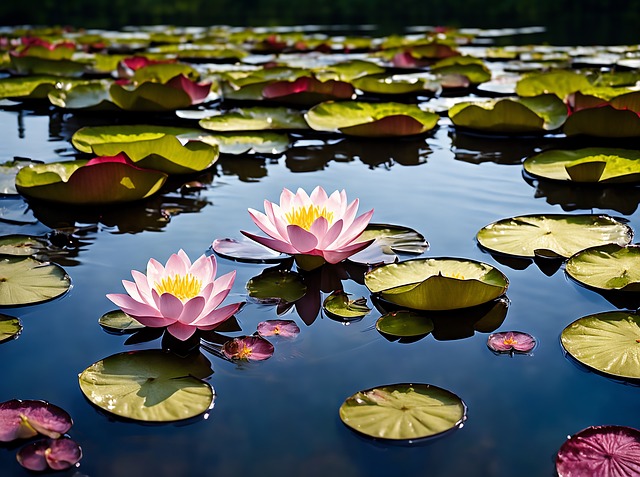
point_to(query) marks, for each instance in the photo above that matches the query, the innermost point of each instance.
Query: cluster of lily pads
(204, 93)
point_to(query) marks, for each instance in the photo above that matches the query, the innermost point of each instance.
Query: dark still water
(280, 417)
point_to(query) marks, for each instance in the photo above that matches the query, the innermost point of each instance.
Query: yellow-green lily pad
(10, 327)
(256, 119)
(607, 267)
(26, 281)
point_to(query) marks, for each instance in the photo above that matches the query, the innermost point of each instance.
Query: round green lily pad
(274, 285)
(561, 234)
(26, 281)
(403, 412)
(10, 327)
(608, 267)
(117, 321)
(21, 245)
(437, 283)
(149, 385)
(592, 165)
(256, 119)
(404, 324)
(338, 305)
(607, 342)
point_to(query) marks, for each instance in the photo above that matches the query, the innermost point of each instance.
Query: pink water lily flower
(314, 225)
(180, 295)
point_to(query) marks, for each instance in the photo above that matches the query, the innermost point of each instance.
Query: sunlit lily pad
(403, 412)
(256, 119)
(117, 321)
(8, 172)
(22, 419)
(607, 342)
(21, 245)
(469, 66)
(166, 154)
(559, 82)
(390, 240)
(600, 451)
(397, 84)
(404, 324)
(29, 87)
(338, 305)
(593, 165)
(101, 180)
(562, 235)
(26, 281)
(10, 327)
(90, 96)
(236, 143)
(603, 121)
(54, 454)
(607, 267)
(358, 118)
(149, 385)
(437, 283)
(274, 286)
(535, 115)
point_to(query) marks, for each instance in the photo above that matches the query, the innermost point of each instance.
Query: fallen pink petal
(510, 342)
(54, 454)
(250, 348)
(24, 419)
(286, 328)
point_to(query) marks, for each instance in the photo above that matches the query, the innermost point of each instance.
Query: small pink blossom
(182, 296)
(252, 348)
(286, 328)
(54, 454)
(511, 341)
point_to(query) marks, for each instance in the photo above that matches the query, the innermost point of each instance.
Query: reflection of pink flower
(286, 328)
(55, 454)
(181, 296)
(252, 348)
(23, 419)
(317, 225)
(510, 341)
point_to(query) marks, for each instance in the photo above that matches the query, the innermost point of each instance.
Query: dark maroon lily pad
(55, 454)
(307, 91)
(248, 348)
(600, 451)
(23, 419)
(511, 342)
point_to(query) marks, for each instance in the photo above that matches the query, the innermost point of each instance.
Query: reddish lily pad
(24, 419)
(511, 342)
(54, 454)
(307, 91)
(285, 328)
(250, 348)
(600, 451)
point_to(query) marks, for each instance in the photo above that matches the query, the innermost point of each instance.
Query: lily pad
(54, 454)
(603, 451)
(511, 342)
(149, 385)
(403, 412)
(607, 267)
(8, 172)
(21, 245)
(237, 143)
(101, 180)
(338, 305)
(559, 82)
(256, 119)
(90, 96)
(389, 241)
(246, 251)
(22, 419)
(397, 84)
(603, 121)
(307, 91)
(275, 286)
(358, 118)
(250, 348)
(563, 235)
(10, 327)
(437, 283)
(535, 115)
(117, 321)
(284, 328)
(404, 324)
(593, 165)
(26, 281)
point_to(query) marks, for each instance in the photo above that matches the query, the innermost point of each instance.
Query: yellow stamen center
(305, 216)
(244, 352)
(510, 341)
(276, 330)
(457, 275)
(181, 286)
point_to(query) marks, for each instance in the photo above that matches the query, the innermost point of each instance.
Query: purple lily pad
(600, 451)
(286, 328)
(511, 342)
(55, 454)
(252, 348)
(28, 418)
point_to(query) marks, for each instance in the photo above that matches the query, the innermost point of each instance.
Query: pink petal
(204, 268)
(217, 316)
(355, 230)
(263, 222)
(286, 199)
(336, 256)
(177, 265)
(274, 244)
(155, 271)
(301, 240)
(192, 310)
(319, 196)
(181, 331)
(132, 289)
(143, 285)
(131, 306)
(319, 227)
(170, 306)
(331, 235)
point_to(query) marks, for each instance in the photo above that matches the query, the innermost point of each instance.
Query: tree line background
(567, 22)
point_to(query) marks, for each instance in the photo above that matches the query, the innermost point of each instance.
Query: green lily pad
(404, 324)
(358, 118)
(397, 84)
(33, 65)
(149, 385)
(258, 142)
(472, 68)
(338, 305)
(607, 267)
(86, 182)
(86, 138)
(561, 234)
(437, 283)
(601, 165)
(10, 327)
(348, 70)
(607, 342)
(29, 87)
(90, 96)
(534, 115)
(8, 172)
(166, 153)
(256, 119)
(389, 240)
(275, 286)
(26, 281)
(21, 245)
(403, 412)
(150, 97)
(163, 72)
(603, 121)
(117, 321)
(558, 82)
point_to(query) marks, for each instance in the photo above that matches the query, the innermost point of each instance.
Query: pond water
(280, 416)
